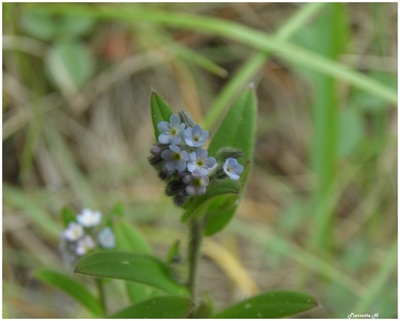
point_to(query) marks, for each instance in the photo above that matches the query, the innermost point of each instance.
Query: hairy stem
(195, 238)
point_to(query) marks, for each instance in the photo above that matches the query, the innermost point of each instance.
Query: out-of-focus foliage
(320, 209)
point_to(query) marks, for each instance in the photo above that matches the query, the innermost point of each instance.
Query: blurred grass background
(320, 212)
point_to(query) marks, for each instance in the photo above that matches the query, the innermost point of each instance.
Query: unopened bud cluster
(181, 159)
(84, 235)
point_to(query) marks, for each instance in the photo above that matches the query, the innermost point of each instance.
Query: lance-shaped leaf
(160, 111)
(73, 288)
(236, 134)
(221, 210)
(278, 304)
(129, 239)
(238, 127)
(128, 266)
(219, 213)
(157, 308)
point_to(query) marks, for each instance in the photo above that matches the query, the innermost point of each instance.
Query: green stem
(195, 238)
(100, 288)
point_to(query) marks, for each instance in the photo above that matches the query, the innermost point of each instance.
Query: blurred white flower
(84, 245)
(73, 232)
(89, 218)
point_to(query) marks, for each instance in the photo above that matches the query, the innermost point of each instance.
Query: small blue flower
(196, 183)
(175, 158)
(106, 238)
(171, 133)
(233, 169)
(199, 161)
(196, 136)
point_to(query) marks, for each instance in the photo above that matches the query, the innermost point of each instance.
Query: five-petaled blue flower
(171, 133)
(233, 169)
(199, 161)
(196, 183)
(196, 136)
(175, 158)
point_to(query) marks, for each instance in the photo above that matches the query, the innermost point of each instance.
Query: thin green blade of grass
(58, 148)
(32, 209)
(329, 25)
(252, 66)
(234, 31)
(305, 258)
(376, 286)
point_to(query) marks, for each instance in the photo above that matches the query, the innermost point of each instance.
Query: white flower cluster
(80, 235)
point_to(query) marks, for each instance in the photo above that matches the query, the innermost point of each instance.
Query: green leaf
(67, 216)
(238, 127)
(127, 266)
(198, 205)
(222, 209)
(130, 239)
(39, 25)
(140, 292)
(70, 62)
(75, 26)
(173, 252)
(277, 304)
(118, 209)
(73, 288)
(219, 213)
(160, 111)
(157, 308)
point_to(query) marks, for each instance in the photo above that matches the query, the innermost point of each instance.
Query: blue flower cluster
(181, 158)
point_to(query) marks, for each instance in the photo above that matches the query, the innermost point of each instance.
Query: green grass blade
(234, 31)
(376, 286)
(32, 209)
(326, 116)
(252, 66)
(73, 288)
(292, 251)
(65, 159)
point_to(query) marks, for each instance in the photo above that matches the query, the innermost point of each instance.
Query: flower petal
(174, 120)
(163, 126)
(164, 138)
